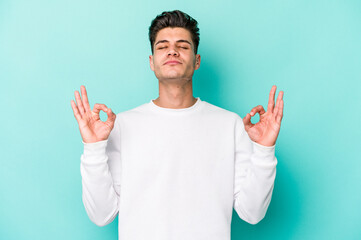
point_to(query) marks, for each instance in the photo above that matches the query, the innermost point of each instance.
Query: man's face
(173, 56)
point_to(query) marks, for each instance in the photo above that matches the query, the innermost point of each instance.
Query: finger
(280, 112)
(271, 99)
(75, 110)
(279, 98)
(259, 109)
(79, 103)
(111, 117)
(85, 98)
(98, 107)
(247, 121)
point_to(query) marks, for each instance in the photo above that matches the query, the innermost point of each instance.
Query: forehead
(173, 34)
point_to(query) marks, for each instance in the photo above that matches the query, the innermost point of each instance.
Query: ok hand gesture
(92, 129)
(265, 132)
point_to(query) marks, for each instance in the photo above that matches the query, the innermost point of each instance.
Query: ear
(198, 61)
(151, 62)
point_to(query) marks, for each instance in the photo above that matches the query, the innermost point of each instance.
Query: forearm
(254, 184)
(99, 196)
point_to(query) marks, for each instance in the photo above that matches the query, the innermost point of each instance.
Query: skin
(266, 131)
(175, 80)
(175, 91)
(92, 129)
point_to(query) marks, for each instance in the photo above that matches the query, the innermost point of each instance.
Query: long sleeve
(100, 171)
(255, 172)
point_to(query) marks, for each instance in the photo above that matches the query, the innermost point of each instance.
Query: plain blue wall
(310, 49)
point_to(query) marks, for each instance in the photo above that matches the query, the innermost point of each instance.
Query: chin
(170, 75)
(173, 75)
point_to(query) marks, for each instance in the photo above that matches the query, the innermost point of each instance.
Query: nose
(173, 52)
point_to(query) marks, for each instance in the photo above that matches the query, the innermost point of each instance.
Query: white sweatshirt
(177, 174)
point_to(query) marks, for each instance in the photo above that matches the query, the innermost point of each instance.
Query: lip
(172, 62)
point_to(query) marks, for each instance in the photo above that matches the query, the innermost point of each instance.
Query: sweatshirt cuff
(96, 148)
(264, 155)
(264, 149)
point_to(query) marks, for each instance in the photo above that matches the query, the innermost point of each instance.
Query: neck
(175, 94)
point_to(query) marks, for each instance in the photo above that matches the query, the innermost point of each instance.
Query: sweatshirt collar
(188, 109)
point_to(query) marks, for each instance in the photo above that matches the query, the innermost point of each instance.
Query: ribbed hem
(96, 148)
(262, 148)
(264, 155)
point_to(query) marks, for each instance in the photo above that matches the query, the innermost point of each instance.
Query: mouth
(172, 63)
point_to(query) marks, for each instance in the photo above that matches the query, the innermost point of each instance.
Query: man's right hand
(92, 129)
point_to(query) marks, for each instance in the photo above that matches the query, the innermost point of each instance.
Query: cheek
(192, 62)
(154, 63)
(157, 60)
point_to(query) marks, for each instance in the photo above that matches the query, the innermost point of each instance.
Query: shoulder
(131, 114)
(213, 109)
(134, 111)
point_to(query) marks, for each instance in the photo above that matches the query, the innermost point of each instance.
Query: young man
(175, 167)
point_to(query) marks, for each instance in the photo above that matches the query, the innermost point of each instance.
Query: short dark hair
(172, 19)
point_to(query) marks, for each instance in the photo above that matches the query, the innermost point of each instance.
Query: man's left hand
(265, 132)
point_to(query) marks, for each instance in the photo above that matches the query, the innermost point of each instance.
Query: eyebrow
(166, 41)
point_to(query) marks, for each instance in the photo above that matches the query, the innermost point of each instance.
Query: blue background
(310, 49)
